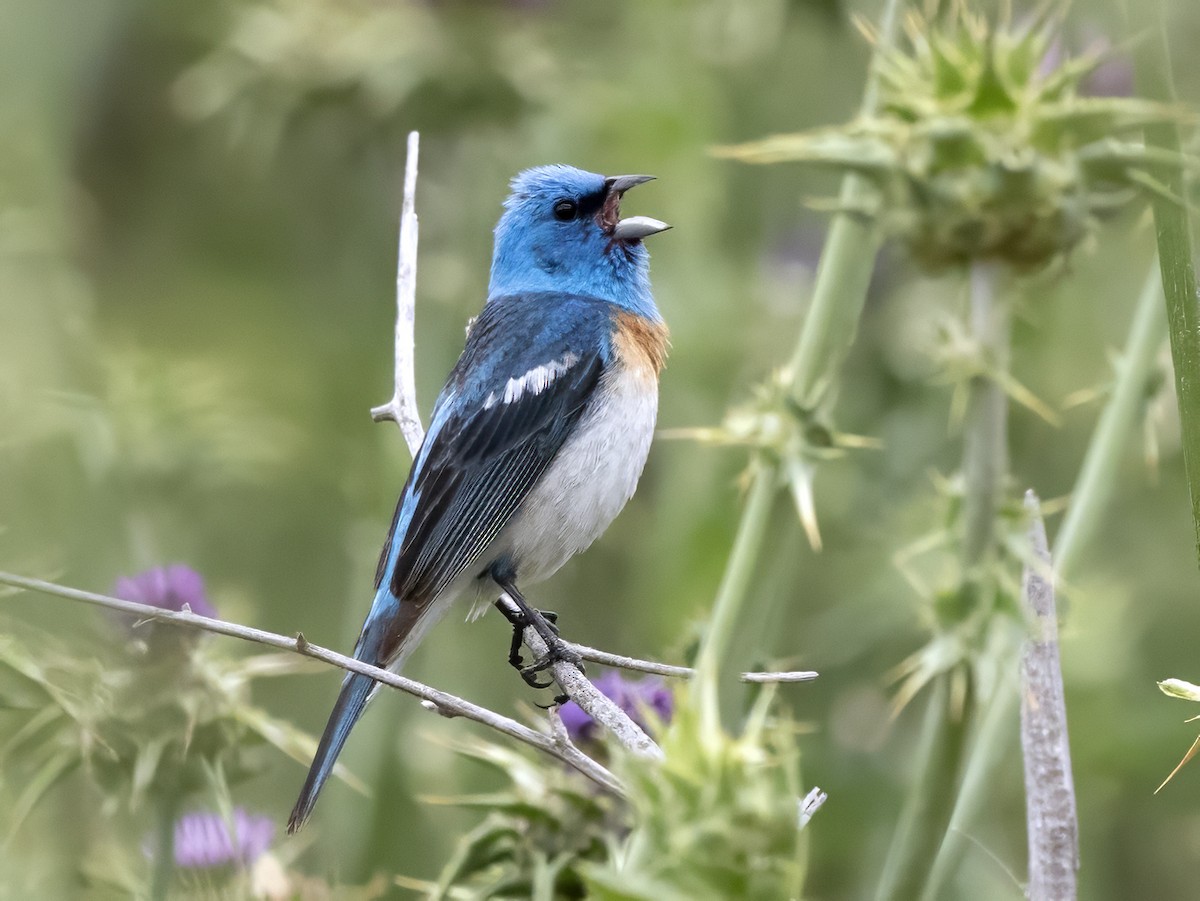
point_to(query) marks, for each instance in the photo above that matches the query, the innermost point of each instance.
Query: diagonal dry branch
(443, 702)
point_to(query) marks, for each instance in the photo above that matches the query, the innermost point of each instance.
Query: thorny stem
(988, 747)
(843, 276)
(923, 818)
(1097, 475)
(731, 595)
(985, 443)
(931, 802)
(994, 739)
(844, 271)
(164, 847)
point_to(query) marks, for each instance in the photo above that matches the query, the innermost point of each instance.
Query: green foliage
(718, 818)
(151, 714)
(539, 834)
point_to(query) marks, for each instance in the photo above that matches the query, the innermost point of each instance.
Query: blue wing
(487, 448)
(488, 444)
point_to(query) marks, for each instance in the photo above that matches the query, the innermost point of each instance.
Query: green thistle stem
(843, 276)
(1098, 474)
(931, 802)
(731, 596)
(1175, 247)
(844, 271)
(996, 736)
(925, 812)
(985, 439)
(164, 848)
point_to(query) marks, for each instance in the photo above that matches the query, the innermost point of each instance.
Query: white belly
(590, 480)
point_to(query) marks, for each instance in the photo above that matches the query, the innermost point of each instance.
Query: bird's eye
(566, 210)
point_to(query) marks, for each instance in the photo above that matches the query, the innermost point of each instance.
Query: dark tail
(352, 700)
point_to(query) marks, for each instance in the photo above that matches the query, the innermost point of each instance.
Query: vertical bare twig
(1049, 787)
(402, 408)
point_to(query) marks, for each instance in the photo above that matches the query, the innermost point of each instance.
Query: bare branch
(443, 702)
(402, 408)
(654, 668)
(1049, 787)
(590, 699)
(796, 676)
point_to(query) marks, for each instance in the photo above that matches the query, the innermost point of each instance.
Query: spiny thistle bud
(784, 433)
(983, 146)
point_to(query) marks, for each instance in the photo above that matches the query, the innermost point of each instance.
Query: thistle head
(983, 145)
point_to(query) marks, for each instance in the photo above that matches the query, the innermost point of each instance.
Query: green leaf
(295, 743)
(47, 776)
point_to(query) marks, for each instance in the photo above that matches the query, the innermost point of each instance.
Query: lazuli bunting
(539, 435)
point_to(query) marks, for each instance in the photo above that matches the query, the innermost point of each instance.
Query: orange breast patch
(641, 344)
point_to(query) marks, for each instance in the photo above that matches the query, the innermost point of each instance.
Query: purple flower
(204, 839)
(167, 587)
(634, 697)
(1113, 73)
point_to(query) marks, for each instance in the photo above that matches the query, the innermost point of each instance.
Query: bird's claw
(557, 651)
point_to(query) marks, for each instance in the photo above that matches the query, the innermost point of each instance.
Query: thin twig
(670, 670)
(402, 408)
(810, 804)
(445, 703)
(794, 676)
(1049, 788)
(590, 699)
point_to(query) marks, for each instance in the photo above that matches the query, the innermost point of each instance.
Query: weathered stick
(402, 408)
(1049, 787)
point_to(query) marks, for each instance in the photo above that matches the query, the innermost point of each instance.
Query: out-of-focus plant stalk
(843, 276)
(1098, 474)
(164, 847)
(990, 744)
(921, 823)
(844, 271)
(731, 596)
(985, 430)
(1175, 248)
(931, 802)
(1092, 488)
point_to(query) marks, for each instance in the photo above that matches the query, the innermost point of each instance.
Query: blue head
(561, 231)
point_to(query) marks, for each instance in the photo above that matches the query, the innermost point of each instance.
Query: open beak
(633, 228)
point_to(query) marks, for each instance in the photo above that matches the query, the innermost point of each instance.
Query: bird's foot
(557, 651)
(544, 621)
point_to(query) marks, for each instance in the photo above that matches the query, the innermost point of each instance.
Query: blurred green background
(198, 207)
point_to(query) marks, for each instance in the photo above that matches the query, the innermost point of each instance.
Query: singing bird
(539, 436)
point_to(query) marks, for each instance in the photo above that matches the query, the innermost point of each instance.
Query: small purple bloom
(634, 697)
(203, 839)
(167, 587)
(1113, 73)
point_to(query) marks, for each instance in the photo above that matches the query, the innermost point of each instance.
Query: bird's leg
(519, 621)
(556, 649)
